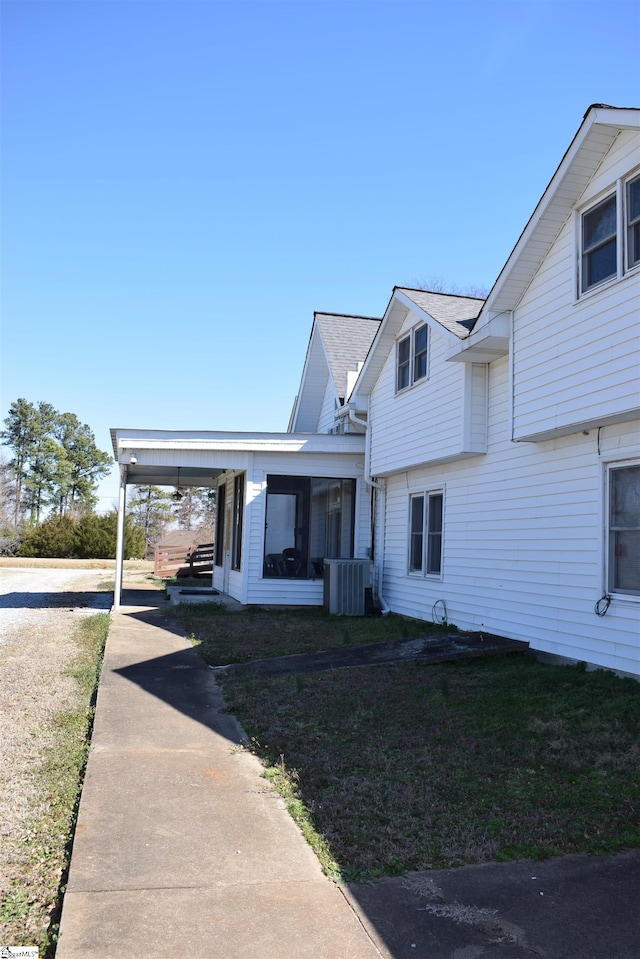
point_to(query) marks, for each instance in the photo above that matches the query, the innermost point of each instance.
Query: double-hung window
(633, 223)
(624, 530)
(425, 533)
(610, 235)
(412, 353)
(599, 243)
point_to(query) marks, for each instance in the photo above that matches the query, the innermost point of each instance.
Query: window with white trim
(623, 530)
(425, 533)
(633, 222)
(599, 243)
(610, 236)
(412, 353)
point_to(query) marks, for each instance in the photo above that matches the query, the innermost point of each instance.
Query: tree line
(55, 466)
(48, 493)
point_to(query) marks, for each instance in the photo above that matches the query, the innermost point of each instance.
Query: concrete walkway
(181, 848)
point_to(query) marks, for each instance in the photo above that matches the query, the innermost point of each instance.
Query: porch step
(192, 594)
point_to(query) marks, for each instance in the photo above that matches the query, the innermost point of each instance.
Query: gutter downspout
(382, 490)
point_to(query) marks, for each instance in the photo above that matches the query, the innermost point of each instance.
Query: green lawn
(258, 633)
(397, 768)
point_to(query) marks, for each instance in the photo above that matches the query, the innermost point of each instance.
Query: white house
(486, 455)
(285, 501)
(506, 456)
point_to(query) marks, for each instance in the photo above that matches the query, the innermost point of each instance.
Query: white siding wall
(326, 420)
(425, 422)
(523, 542)
(577, 361)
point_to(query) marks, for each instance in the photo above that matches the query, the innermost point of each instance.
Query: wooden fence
(183, 561)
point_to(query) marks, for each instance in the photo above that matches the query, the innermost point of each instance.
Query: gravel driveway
(39, 609)
(27, 596)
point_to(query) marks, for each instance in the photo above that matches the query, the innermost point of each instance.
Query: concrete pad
(199, 817)
(574, 907)
(302, 921)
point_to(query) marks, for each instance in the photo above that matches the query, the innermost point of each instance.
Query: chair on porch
(293, 561)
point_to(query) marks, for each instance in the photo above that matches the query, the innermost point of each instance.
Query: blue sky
(184, 183)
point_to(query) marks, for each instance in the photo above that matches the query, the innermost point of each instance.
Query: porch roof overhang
(197, 458)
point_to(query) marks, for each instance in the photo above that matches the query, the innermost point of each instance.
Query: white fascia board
(127, 441)
(620, 117)
(489, 343)
(394, 316)
(626, 416)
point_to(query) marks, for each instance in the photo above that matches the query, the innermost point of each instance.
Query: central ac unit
(345, 585)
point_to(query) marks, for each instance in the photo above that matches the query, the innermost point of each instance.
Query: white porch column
(122, 499)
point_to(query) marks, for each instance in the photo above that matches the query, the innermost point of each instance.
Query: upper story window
(610, 236)
(599, 243)
(633, 222)
(412, 353)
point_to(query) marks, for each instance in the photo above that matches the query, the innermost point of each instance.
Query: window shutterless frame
(434, 534)
(608, 236)
(633, 222)
(412, 354)
(416, 533)
(623, 530)
(403, 363)
(599, 243)
(425, 532)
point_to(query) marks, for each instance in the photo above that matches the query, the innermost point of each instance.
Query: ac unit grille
(345, 582)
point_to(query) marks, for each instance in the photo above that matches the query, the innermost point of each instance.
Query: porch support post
(122, 497)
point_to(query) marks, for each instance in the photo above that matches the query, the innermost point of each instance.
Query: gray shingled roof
(347, 340)
(448, 309)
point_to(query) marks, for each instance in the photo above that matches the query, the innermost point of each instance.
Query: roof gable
(337, 346)
(450, 313)
(600, 127)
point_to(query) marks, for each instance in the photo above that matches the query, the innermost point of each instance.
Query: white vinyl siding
(327, 421)
(561, 384)
(523, 552)
(442, 417)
